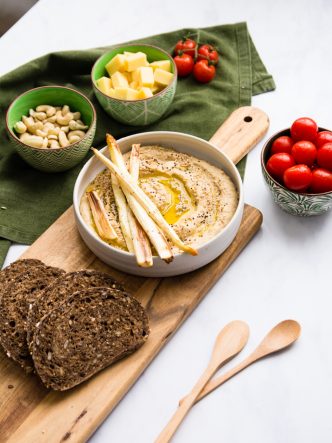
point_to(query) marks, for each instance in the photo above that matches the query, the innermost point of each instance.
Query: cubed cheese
(120, 93)
(135, 75)
(134, 85)
(132, 94)
(162, 64)
(118, 63)
(145, 93)
(162, 77)
(136, 60)
(145, 76)
(104, 84)
(119, 80)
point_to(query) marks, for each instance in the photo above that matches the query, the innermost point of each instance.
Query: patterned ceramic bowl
(135, 112)
(52, 160)
(295, 203)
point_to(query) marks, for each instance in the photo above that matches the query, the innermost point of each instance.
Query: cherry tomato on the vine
(298, 178)
(184, 64)
(278, 163)
(321, 181)
(304, 128)
(208, 52)
(304, 152)
(203, 71)
(185, 46)
(282, 144)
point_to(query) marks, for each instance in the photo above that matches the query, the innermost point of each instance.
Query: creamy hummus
(195, 197)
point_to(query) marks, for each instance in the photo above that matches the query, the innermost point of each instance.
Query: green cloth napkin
(30, 200)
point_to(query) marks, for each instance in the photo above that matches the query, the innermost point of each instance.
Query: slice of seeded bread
(20, 267)
(92, 329)
(61, 289)
(23, 290)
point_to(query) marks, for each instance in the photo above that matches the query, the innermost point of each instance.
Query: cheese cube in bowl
(135, 84)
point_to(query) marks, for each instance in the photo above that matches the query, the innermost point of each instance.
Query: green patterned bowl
(52, 160)
(135, 112)
(303, 204)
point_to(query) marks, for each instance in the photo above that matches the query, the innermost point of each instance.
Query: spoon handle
(213, 384)
(183, 409)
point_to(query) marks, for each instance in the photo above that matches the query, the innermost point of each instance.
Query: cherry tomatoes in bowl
(304, 152)
(185, 46)
(324, 156)
(203, 71)
(278, 163)
(321, 181)
(209, 53)
(304, 128)
(282, 144)
(184, 64)
(298, 178)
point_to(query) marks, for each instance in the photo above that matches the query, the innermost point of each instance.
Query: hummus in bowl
(196, 187)
(195, 197)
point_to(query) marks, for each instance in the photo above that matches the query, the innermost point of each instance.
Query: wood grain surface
(29, 413)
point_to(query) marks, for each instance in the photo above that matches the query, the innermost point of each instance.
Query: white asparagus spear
(144, 200)
(154, 233)
(122, 208)
(132, 188)
(100, 218)
(139, 238)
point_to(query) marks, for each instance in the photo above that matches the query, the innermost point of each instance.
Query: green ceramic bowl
(135, 112)
(295, 203)
(52, 160)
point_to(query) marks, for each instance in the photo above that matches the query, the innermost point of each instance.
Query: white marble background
(286, 270)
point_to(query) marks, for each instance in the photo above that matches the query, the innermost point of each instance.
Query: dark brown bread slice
(14, 304)
(91, 330)
(61, 289)
(20, 267)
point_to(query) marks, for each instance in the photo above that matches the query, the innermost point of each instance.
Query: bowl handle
(241, 132)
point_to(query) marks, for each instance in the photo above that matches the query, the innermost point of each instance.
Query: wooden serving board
(29, 412)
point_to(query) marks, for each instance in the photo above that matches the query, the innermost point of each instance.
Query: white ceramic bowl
(182, 263)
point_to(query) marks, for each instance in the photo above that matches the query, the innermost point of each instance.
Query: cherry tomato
(304, 152)
(203, 72)
(321, 181)
(185, 46)
(304, 129)
(324, 156)
(278, 163)
(208, 52)
(282, 144)
(323, 137)
(298, 178)
(184, 64)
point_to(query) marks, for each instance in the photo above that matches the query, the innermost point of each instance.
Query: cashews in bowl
(50, 127)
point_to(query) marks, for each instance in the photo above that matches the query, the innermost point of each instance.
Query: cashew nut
(35, 126)
(28, 121)
(74, 125)
(20, 127)
(65, 129)
(63, 120)
(81, 134)
(54, 144)
(74, 138)
(53, 131)
(45, 142)
(41, 133)
(76, 115)
(63, 140)
(52, 137)
(51, 119)
(65, 110)
(50, 110)
(32, 140)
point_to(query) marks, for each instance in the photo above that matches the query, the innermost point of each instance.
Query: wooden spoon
(281, 336)
(230, 341)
